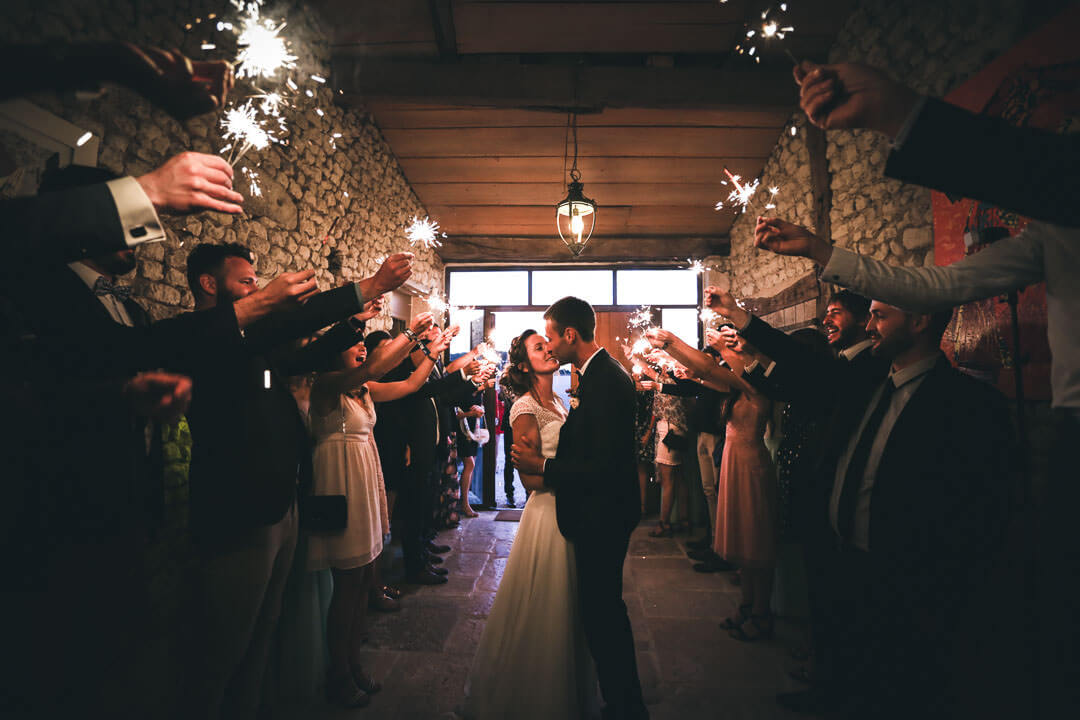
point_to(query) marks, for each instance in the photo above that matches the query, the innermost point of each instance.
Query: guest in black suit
(921, 471)
(938, 145)
(594, 476)
(250, 449)
(426, 417)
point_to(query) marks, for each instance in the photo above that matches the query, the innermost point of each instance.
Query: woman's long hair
(518, 381)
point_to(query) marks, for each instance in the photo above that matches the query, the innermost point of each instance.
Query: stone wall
(319, 193)
(932, 46)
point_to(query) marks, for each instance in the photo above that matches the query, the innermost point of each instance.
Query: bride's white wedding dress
(533, 661)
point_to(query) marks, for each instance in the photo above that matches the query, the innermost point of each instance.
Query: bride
(533, 661)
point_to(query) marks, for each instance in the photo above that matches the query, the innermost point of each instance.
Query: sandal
(756, 627)
(391, 592)
(738, 619)
(365, 682)
(342, 690)
(662, 529)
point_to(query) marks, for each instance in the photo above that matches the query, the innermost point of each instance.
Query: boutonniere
(575, 397)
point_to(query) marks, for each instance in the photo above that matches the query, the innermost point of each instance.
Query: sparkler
(425, 232)
(641, 319)
(241, 125)
(262, 49)
(252, 178)
(774, 26)
(744, 193)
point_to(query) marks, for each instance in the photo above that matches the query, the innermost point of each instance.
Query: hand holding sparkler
(182, 87)
(190, 182)
(421, 322)
(659, 337)
(784, 238)
(850, 95)
(714, 339)
(371, 309)
(288, 290)
(724, 303)
(394, 271)
(438, 346)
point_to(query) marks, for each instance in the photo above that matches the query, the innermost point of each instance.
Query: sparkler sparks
(241, 126)
(253, 181)
(641, 319)
(774, 26)
(425, 232)
(262, 49)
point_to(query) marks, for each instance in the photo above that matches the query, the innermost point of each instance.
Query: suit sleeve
(1029, 171)
(60, 227)
(610, 417)
(321, 310)
(318, 356)
(682, 388)
(451, 389)
(799, 370)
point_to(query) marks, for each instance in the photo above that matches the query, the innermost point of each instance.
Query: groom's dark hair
(573, 312)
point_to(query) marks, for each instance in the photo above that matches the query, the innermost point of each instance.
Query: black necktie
(856, 469)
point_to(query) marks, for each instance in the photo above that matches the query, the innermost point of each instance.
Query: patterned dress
(645, 427)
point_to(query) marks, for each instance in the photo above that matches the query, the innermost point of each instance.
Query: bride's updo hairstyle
(514, 378)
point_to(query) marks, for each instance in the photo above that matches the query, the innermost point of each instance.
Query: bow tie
(102, 286)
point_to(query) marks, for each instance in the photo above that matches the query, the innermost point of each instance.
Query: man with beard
(250, 450)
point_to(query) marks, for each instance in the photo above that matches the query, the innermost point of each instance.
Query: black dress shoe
(701, 555)
(510, 503)
(425, 577)
(438, 570)
(437, 549)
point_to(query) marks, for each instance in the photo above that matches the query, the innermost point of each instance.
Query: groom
(596, 493)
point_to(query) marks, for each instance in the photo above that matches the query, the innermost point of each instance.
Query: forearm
(384, 359)
(276, 327)
(388, 391)
(531, 483)
(461, 361)
(83, 66)
(1009, 264)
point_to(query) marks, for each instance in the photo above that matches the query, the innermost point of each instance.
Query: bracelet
(424, 349)
(411, 335)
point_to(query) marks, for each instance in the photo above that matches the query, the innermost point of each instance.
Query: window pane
(683, 322)
(657, 287)
(508, 325)
(503, 287)
(467, 320)
(592, 286)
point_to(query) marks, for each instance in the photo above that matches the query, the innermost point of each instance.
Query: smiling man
(845, 323)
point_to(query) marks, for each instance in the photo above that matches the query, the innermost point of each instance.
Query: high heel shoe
(662, 530)
(342, 690)
(364, 681)
(741, 616)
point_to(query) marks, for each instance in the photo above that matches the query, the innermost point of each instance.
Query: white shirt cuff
(137, 215)
(751, 367)
(909, 122)
(841, 267)
(768, 370)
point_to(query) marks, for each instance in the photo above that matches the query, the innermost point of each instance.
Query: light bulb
(577, 225)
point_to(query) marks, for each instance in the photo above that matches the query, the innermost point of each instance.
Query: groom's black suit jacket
(594, 473)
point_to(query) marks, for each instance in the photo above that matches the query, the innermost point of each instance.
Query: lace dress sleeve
(524, 406)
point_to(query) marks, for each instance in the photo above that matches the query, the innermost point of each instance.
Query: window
(592, 286)
(508, 325)
(683, 322)
(467, 320)
(504, 287)
(657, 287)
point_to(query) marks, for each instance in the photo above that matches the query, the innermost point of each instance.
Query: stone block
(917, 237)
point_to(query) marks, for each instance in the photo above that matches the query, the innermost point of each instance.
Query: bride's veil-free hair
(518, 381)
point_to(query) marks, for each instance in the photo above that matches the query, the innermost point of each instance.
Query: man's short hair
(56, 178)
(854, 303)
(209, 259)
(574, 313)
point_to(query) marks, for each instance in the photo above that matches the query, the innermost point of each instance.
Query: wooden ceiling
(473, 97)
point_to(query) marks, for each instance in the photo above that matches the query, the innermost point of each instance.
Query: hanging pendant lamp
(575, 215)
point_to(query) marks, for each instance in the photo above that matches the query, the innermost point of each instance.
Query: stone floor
(689, 667)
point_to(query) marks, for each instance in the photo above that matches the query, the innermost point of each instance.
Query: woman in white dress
(346, 462)
(534, 630)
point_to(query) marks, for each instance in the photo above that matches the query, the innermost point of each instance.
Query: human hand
(713, 338)
(472, 367)
(158, 395)
(850, 96)
(526, 456)
(437, 346)
(659, 337)
(182, 87)
(453, 330)
(394, 271)
(371, 309)
(421, 322)
(648, 385)
(784, 238)
(190, 182)
(288, 290)
(730, 338)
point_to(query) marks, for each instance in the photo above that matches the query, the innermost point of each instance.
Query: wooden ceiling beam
(514, 85)
(548, 248)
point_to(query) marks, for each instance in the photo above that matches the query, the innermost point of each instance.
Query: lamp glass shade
(575, 218)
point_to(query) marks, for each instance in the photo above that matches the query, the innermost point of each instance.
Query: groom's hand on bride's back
(526, 456)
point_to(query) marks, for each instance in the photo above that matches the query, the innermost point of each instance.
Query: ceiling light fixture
(575, 216)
